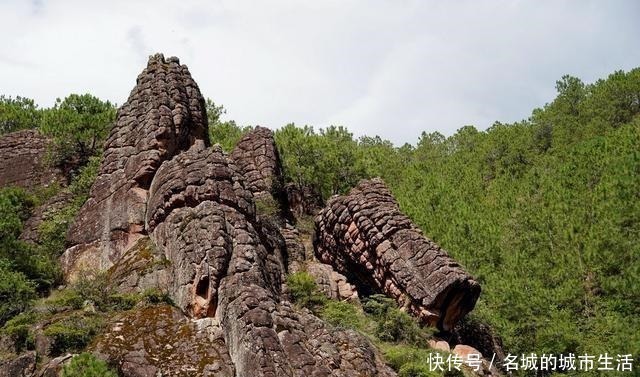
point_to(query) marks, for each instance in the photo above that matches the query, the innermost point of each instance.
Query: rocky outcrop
(164, 115)
(333, 284)
(21, 366)
(257, 157)
(22, 160)
(191, 207)
(160, 340)
(224, 264)
(366, 237)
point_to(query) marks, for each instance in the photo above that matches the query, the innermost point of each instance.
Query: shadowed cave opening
(202, 288)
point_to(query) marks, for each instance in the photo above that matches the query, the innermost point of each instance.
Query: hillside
(133, 237)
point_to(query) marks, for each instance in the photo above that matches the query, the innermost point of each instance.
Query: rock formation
(164, 115)
(22, 160)
(366, 237)
(160, 340)
(202, 215)
(162, 190)
(216, 234)
(257, 157)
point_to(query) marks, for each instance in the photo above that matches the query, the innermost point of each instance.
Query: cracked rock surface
(168, 209)
(164, 115)
(22, 160)
(365, 236)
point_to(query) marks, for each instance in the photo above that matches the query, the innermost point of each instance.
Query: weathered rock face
(225, 265)
(160, 340)
(164, 115)
(22, 366)
(192, 202)
(22, 155)
(257, 157)
(366, 237)
(333, 284)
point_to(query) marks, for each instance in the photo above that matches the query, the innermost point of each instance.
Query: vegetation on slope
(544, 212)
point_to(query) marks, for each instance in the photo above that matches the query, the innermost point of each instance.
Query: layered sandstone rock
(22, 160)
(164, 115)
(366, 237)
(224, 264)
(192, 203)
(257, 157)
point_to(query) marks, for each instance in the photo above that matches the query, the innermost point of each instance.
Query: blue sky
(392, 68)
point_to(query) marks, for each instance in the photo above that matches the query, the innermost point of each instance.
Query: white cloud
(393, 68)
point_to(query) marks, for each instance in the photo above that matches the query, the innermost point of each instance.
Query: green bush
(417, 370)
(73, 333)
(17, 114)
(16, 292)
(77, 125)
(63, 300)
(87, 365)
(19, 330)
(155, 296)
(392, 324)
(412, 361)
(304, 291)
(343, 314)
(122, 301)
(267, 206)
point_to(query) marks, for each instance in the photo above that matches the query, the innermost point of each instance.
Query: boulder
(333, 284)
(366, 237)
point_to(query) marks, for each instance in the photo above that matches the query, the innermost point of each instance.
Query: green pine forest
(545, 212)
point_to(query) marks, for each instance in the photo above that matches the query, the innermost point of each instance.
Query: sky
(392, 68)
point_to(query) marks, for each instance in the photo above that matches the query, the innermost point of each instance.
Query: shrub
(95, 288)
(393, 324)
(155, 296)
(72, 333)
(304, 291)
(416, 370)
(398, 326)
(87, 365)
(122, 301)
(63, 300)
(19, 330)
(267, 207)
(16, 292)
(343, 314)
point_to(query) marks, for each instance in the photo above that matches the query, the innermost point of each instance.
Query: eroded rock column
(366, 237)
(164, 115)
